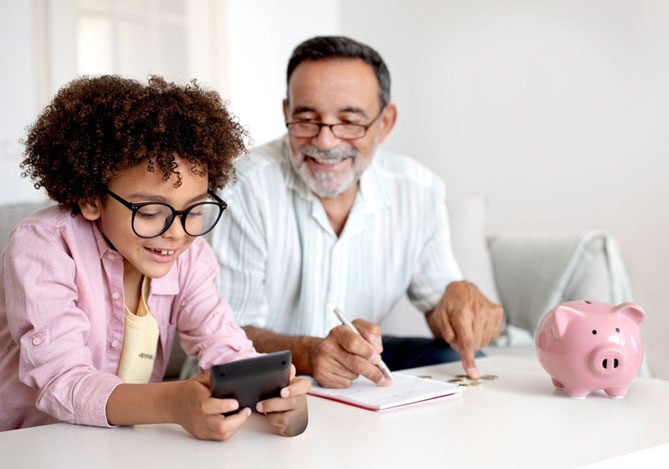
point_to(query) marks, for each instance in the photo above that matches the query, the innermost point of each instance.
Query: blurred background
(557, 111)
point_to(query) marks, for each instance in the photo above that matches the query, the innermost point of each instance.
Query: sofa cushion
(538, 271)
(11, 214)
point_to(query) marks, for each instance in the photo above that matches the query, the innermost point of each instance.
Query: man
(326, 218)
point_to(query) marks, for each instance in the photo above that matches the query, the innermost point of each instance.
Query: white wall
(17, 96)
(557, 110)
(260, 35)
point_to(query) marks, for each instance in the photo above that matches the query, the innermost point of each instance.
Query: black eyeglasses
(343, 131)
(151, 219)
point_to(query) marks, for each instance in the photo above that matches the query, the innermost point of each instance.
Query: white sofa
(527, 274)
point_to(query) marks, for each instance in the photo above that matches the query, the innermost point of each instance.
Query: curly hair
(96, 127)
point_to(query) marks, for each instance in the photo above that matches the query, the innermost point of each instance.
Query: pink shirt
(61, 320)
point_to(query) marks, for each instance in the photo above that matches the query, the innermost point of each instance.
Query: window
(178, 39)
(132, 37)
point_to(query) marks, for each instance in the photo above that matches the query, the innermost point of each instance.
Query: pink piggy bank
(587, 345)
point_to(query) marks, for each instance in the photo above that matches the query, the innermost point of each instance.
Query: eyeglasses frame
(365, 127)
(182, 214)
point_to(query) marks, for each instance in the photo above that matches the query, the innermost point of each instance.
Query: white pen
(344, 320)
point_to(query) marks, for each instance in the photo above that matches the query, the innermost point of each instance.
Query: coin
(489, 377)
(461, 376)
(426, 377)
(455, 380)
(463, 384)
(474, 382)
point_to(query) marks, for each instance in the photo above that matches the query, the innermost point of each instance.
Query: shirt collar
(374, 191)
(103, 245)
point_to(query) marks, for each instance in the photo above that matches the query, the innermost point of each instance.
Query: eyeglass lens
(310, 129)
(154, 219)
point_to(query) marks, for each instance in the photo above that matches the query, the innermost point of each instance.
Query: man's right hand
(343, 355)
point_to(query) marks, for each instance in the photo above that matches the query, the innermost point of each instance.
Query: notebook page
(404, 390)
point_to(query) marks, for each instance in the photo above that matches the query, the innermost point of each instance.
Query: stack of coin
(464, 380)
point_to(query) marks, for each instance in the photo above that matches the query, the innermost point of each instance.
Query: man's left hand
(467, 320)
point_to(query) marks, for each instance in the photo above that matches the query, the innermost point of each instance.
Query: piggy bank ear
(631, 311)
(563, 316)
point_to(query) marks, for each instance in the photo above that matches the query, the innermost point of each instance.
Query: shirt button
(37, 341)
(116, 295)
(111, 256)
(114, 343)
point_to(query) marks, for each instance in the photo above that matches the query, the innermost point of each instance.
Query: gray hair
(327, 47)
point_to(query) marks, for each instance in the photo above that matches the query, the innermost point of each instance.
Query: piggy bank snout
(608, 360)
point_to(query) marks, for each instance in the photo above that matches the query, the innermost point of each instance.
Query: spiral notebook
(404, 390)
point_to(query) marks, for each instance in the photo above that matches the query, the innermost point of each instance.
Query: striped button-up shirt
(283, 268)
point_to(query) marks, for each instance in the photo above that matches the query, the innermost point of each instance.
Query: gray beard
(317, 183)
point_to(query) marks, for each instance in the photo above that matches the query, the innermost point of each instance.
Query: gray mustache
(331, 154)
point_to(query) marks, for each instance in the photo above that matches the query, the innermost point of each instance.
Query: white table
(516, 421)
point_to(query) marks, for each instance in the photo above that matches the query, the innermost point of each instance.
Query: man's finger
(367, 368)
(353, 343)
(370, 332)
(445, 327)
(328, 379)
(469, 364)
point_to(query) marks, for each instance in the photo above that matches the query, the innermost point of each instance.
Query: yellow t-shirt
(140, 341)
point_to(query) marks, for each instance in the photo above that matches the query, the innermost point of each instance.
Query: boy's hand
(200, 414)
(288, 413)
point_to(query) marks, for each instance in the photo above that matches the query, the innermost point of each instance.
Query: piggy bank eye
(594, 332)
(617, 329)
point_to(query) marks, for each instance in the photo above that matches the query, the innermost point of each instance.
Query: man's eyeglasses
(151, 219)
(343, 131)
